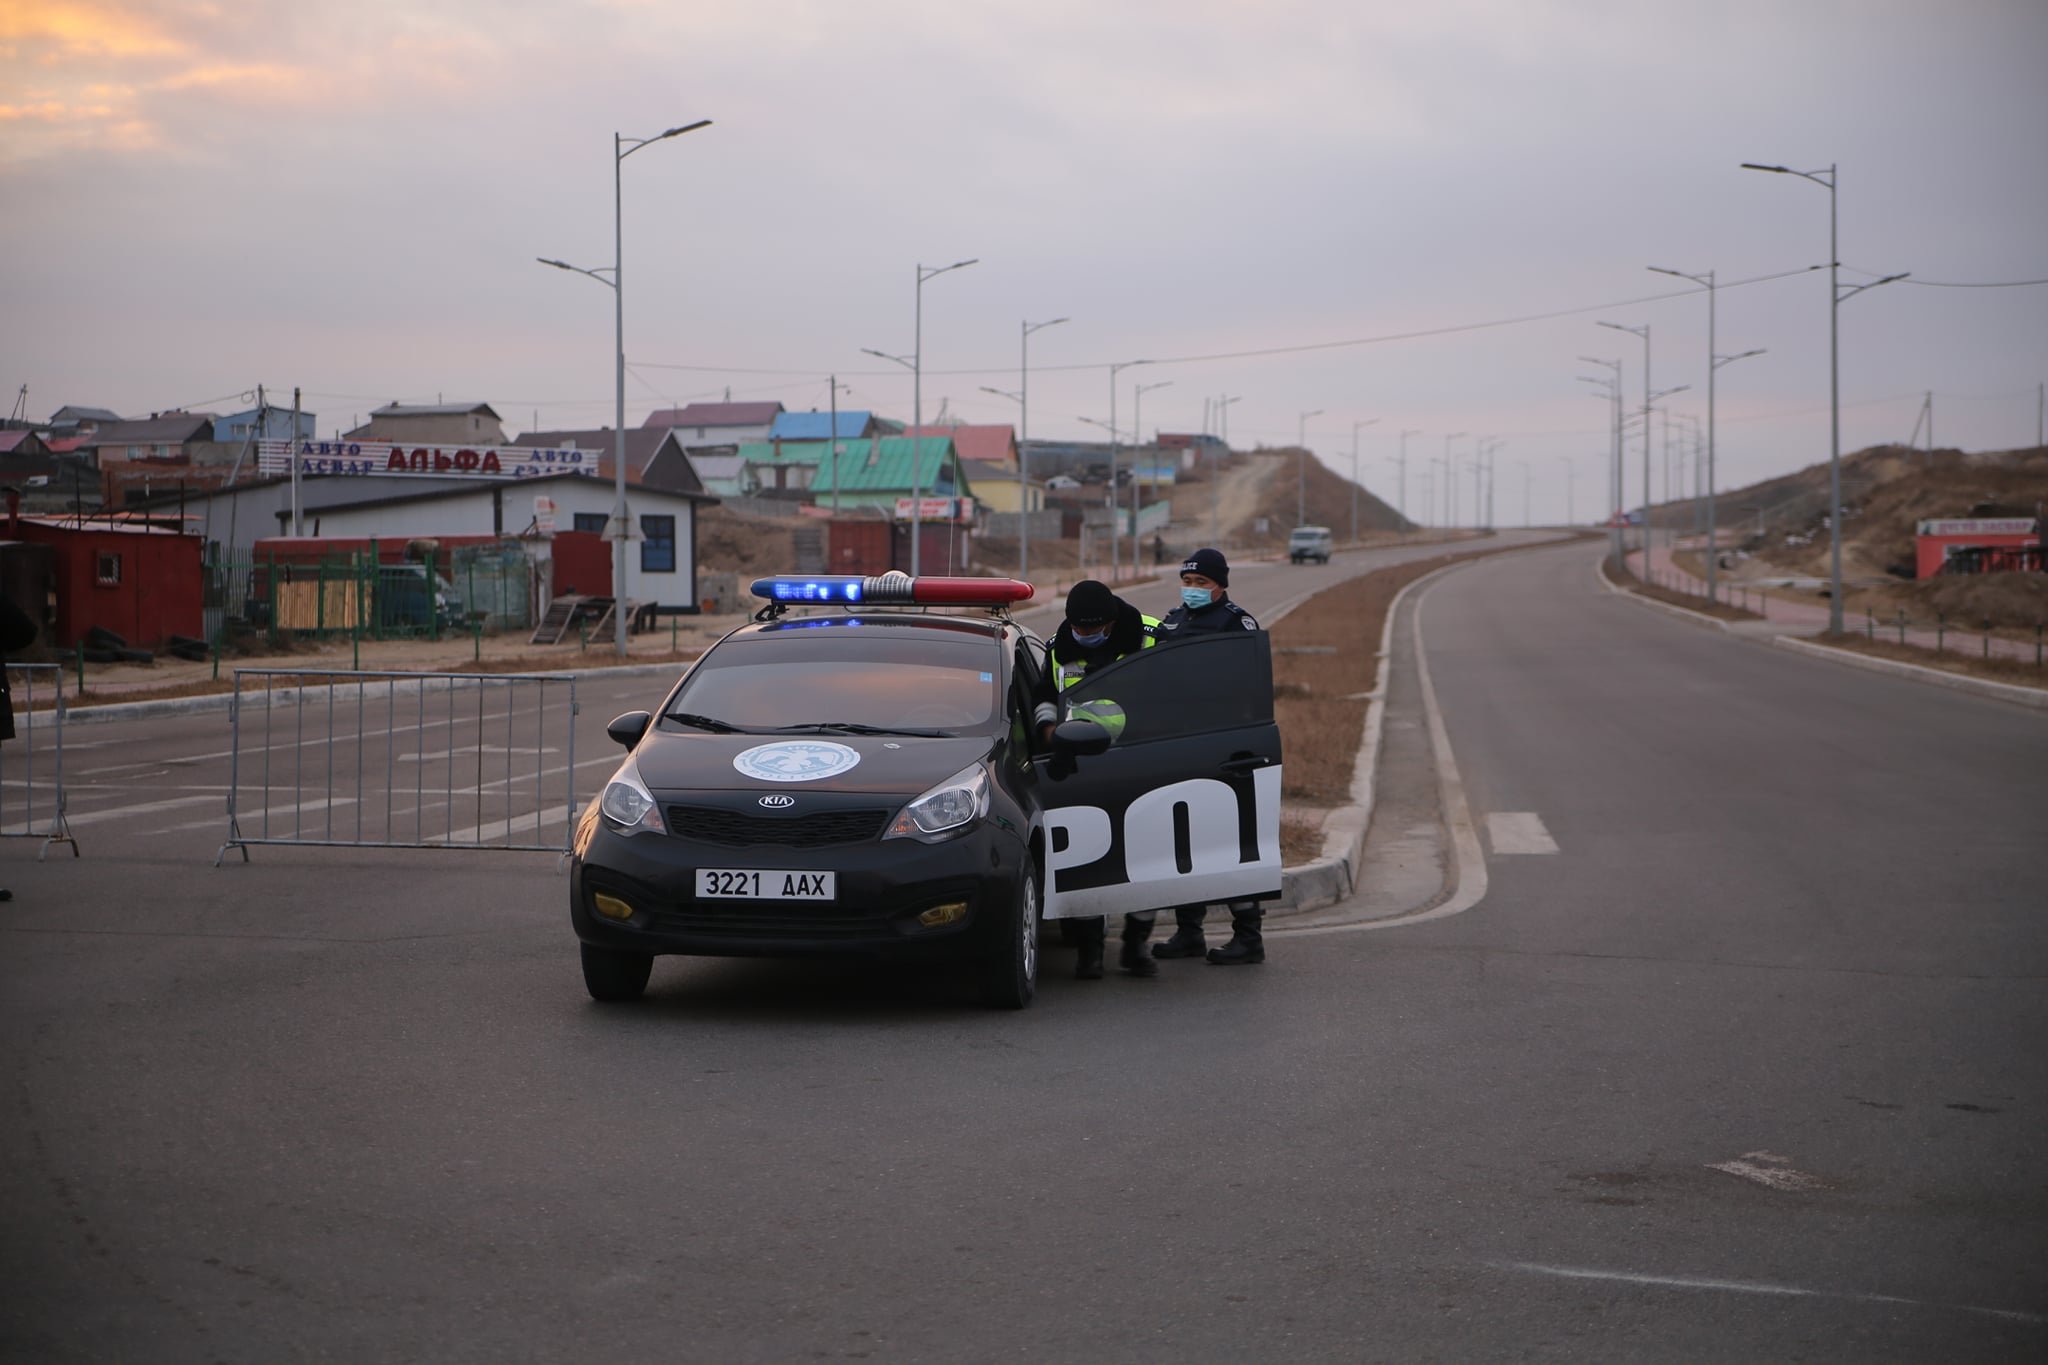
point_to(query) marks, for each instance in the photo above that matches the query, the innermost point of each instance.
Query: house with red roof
(994, 444)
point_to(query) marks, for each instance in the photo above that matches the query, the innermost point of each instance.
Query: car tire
(1012, 974)
(610, 975)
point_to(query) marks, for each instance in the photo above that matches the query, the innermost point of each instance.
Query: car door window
(1202, 684)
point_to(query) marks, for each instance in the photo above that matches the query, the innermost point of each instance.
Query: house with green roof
(874, 471)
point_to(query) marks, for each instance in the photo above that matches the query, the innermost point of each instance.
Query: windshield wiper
(848, 727)
(711, 723)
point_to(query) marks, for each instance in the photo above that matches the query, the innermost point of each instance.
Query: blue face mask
(1090, 641)
(1194, 599)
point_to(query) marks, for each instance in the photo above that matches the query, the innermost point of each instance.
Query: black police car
(863, 777)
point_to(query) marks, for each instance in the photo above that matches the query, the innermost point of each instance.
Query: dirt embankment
(1780, 529)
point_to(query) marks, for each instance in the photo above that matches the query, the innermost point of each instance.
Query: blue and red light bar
(890, 589)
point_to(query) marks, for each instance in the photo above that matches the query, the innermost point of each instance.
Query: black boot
(1134, 959)
(1187, 940)
(1087, 948)
(1247, 945)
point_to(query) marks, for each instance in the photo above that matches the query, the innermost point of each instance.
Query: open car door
(1184, 806)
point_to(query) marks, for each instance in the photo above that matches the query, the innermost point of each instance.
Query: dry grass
(1318, 696)
(1961, 656)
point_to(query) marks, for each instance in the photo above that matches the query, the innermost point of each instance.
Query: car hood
(902, 766)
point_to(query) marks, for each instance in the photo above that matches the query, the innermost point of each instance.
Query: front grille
(736, 829)
(763, 920)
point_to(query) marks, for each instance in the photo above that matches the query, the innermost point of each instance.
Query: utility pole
(1402, 503)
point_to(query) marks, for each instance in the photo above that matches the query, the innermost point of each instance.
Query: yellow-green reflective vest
(1102, 711)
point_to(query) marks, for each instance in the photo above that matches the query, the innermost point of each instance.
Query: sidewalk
(1788, 616)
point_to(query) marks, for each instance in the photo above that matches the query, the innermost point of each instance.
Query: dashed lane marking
(1570, 1272)
(1518, 832)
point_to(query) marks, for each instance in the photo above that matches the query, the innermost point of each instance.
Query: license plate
(721, 883)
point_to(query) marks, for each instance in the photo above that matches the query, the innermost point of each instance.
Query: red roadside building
(143, 582)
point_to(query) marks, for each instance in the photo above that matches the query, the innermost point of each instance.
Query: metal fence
(482, 587)
(32, 763)
(401, 760)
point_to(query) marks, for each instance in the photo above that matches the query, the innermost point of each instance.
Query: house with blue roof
(854, 425)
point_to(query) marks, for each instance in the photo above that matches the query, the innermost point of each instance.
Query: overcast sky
(349, 197)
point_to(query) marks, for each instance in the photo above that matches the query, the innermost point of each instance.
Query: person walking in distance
(1100, 629)
(1205, 605)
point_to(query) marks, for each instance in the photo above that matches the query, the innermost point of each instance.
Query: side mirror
(626, 730)
(1079, 738)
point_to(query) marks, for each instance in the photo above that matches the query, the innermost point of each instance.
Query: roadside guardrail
(32, 763)
(357, 759)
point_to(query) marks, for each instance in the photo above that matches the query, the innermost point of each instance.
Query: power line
(1297, 349)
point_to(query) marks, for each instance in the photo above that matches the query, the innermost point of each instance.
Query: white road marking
(93, 817)
(1468, 860)
(279, 816)
(1518, 832)
(1754, 1287)
(442, 755)
(1769, 1170)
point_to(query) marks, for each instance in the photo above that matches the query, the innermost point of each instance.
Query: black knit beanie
(1210, 564)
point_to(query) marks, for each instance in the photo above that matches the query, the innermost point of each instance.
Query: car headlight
(628, 805)
(945, 810)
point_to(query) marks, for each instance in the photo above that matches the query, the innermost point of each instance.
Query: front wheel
(1012, 973)
(610, 975)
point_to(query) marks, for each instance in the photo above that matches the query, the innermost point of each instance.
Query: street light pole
(1835, 300)
(1402, 496)
(1223, 403)
(1138, 392)
(1116, 513)
(1301, 467)
(1643, 332)
(620, 528)
(1614, 498)
(924, 273)
(1450, 481)
(1023, 435)
(1366, 422)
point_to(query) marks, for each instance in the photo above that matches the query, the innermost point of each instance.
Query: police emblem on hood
(796, 760)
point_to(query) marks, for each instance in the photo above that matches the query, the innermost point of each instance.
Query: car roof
(987, 627)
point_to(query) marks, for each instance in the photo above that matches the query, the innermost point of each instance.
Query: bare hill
(1886, 490)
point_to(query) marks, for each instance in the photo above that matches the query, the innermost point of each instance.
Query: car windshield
(852, 677)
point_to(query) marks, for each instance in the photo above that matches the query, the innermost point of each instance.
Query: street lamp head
(1775, 170)
(1003, 393)
(686, 128)
(905, 361)
(1642, 331)
(1034, 326)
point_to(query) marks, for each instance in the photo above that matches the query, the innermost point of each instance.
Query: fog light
(611, 907)
(948, 913)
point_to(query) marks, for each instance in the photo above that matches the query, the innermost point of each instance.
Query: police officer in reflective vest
(1206, 606)
(1100, 629)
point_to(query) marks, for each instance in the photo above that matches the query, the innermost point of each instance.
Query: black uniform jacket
(1224, 615)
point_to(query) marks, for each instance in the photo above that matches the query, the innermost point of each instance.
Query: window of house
(107, 569)
(592, 523)
(657, 544)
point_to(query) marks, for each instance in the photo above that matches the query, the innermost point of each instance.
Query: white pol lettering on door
(1152, 850)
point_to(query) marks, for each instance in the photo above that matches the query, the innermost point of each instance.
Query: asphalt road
(1750, 1067)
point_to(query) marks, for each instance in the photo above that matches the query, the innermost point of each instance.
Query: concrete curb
(2034, 697)
(1333, 877)
(220, 701)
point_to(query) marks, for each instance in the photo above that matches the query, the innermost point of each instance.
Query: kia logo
(778, 802)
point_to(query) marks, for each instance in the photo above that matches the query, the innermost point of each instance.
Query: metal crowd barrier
(401, 760)
(32, 763)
